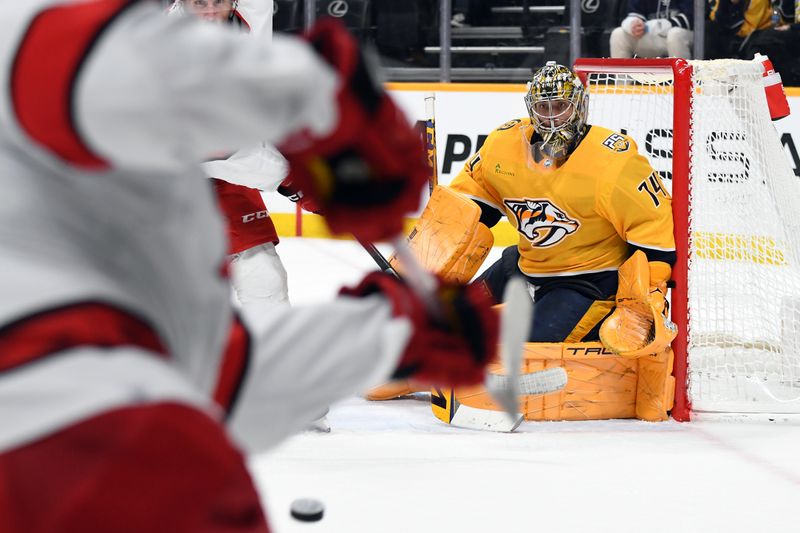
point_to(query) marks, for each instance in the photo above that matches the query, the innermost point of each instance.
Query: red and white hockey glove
(451, 350)
(368, 172)
(287, 189)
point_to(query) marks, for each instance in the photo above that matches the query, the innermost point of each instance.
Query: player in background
(254, 16)
(257, 274)
(583, 201)
(127, 382)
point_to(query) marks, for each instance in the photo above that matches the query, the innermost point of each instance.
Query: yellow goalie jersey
(577, 218)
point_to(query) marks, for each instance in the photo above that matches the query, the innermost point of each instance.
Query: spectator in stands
(470, 13)
(655, 28)
(403, 29)
(731, 24)
(780, 43)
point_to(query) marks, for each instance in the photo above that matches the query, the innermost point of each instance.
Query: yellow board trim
(314, 227)
(760, 250)
(457, 87)
(716, 246)
(490, 87)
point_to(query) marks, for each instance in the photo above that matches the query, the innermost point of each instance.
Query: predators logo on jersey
(617, 143)
(541, 222)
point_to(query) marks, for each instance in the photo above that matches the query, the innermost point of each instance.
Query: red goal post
(705, 127)
(681, 72)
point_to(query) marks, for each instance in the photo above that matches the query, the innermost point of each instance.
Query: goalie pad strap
(593, 316)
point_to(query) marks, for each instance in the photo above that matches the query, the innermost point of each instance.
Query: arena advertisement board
(467, 113)
(465, 117)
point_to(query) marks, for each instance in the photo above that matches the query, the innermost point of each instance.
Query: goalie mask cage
(705, 126)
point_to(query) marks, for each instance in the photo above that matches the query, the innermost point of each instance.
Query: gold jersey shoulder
(578, 217)
(603, 153)
(601, 142)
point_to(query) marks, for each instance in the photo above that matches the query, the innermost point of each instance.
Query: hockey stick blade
(515, 322)
(534, 383)
(484, 419)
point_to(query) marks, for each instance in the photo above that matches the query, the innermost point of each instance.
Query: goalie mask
(557, 105)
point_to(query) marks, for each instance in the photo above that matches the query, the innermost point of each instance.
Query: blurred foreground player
(125, 377)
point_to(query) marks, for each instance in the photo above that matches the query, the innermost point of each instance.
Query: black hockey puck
(307, 509)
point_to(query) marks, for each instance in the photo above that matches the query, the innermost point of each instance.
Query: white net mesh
(744, 256)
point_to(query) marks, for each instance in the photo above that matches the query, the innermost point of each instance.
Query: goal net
(705, 126)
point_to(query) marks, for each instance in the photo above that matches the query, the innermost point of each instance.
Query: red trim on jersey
(161, 467)
(233, 369)
(83, 324)
(45, 70)
(225, 269)
(241, 19)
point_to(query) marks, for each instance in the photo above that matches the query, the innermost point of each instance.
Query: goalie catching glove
(369, 171)
(453, 349)
(640, 324)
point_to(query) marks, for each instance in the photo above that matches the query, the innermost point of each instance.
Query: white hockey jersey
(105, 301)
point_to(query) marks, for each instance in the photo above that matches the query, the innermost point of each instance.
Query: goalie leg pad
(392, 390)
(655, 391)
(601, 385)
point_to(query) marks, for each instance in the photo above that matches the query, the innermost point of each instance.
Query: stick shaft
(422, 282)
(379, 258)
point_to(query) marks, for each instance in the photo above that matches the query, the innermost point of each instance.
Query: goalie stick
(430, 140)
(515, 321)
(448, 409)
(379, 259)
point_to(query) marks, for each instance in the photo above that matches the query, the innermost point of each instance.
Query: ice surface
(392, 467)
